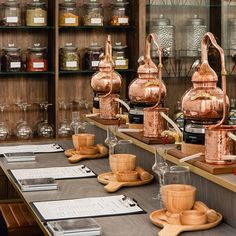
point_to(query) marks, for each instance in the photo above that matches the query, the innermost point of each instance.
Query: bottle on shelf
(120, 56)
(36, 59)
(36, 13)
(93, 13)
(119, 14)
(69, 58)
(11, 13)
(232, 112)
(178, 115)
(11, 60)
(68, 15)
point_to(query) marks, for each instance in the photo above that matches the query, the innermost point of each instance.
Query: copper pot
(106, 80)
(154, 123)
(109, 108)
(148, 86)
(204, 100)
(220, 147)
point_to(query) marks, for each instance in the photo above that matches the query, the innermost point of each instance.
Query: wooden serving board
(112, 185)
(78, 157)
(174, 230)
(107, 122)
(140, 137)
(200, 163)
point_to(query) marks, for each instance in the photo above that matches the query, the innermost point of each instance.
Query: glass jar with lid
(11, 59)
(68, 15)
(119, 13)
(232, 35)
(37, 58)
(11, 13)
(165, 34)
(92, 55)
(36, 13)
(93, 13)
(195, 28)
(69, 57)
(120, 56)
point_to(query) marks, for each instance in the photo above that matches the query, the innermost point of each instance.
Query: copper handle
(211, 37)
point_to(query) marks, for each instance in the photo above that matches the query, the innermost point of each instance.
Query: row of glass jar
(36, 13)
(14, 60)
(93, 16)
(70, 57)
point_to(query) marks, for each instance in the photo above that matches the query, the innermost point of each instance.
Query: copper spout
(211, 37)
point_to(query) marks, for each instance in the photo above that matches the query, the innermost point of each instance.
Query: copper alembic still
(106, 84)
(205, 107)
(148, 89)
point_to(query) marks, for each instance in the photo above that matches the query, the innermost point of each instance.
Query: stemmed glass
(23, 130)
(159, 168)
(111, 140)
(4, 131)
(45, 129)
(64, 129)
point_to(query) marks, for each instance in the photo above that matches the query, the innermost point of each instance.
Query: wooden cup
(127, 176)
(178, 197)
(81, 140)
(122, 162)
(193, 217)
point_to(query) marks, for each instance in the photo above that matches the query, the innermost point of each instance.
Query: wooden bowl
(193, 217)
(122, 162)
(127, 176)
(81, 140)
(88, 150)
(178, 197)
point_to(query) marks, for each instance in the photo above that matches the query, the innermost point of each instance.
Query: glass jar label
(123, 20)
(96, 20)
(12, 19)
(120, 62)
(71, 64)
(39, 20)
(15, 64)
(38, 64)
(95, 63)
(69, 20)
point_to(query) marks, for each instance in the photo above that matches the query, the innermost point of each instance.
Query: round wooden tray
(174, 230)
(112, 185)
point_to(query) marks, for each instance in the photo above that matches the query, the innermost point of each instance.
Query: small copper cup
(218, 144)
(109, 108)
(154, 123)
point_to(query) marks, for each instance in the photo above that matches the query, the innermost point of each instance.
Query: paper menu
(37, 148)
(87, 207)
(68, 172)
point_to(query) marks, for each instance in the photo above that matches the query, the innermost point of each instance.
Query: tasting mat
(107, 122)
(140, 137)
(200, 163)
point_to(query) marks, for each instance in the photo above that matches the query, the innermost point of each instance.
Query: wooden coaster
(112, 185)
(140, 137)
(156, 218)
(200, 163)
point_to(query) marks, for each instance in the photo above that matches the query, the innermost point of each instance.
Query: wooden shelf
(91, 72)
(26, 27)
(27, 73)
(105, 27)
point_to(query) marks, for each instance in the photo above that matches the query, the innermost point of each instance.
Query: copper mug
(109, 107)
(220, 146)
(154, 123)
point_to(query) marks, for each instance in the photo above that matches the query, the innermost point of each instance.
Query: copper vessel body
(109, 108)
(148, 87)
(154, 123)
(218, 144)
(101, 82)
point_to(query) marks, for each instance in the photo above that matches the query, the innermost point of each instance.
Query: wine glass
(64, 129)
(159, 168)
(45, 129)
(4, 131)
(23, 130)
(111, 140)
